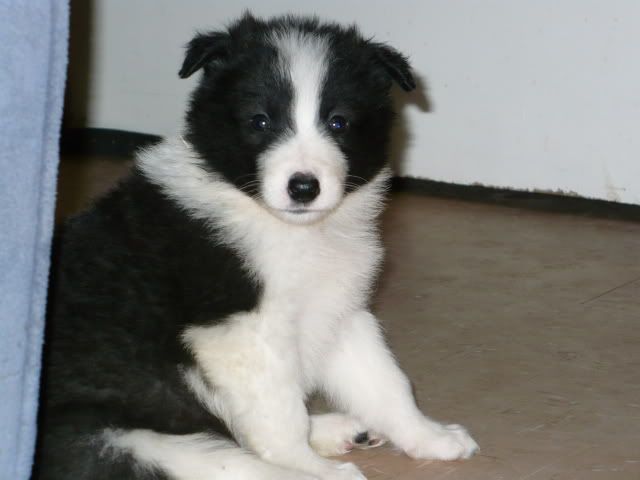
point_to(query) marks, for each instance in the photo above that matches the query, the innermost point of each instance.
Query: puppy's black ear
(396, 65)
(205, 48)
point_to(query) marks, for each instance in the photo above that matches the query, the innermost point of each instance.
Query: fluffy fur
(200, 302)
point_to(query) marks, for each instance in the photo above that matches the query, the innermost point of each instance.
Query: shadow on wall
(78, 90)
(401, 134)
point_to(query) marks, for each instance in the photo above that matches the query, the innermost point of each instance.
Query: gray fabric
(33, 59)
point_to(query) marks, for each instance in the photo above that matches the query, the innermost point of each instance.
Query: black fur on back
(131, 274)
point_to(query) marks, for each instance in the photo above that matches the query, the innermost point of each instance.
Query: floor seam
(611, 290)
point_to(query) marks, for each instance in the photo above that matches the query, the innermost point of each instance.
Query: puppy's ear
(205, 48)
(396, 65)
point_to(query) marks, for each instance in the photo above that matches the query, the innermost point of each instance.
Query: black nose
(303, 187)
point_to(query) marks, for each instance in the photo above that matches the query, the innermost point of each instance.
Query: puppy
(200, 302)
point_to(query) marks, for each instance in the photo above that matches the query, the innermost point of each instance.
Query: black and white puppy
(201, 302)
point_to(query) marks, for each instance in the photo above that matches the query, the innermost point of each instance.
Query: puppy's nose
(303, 187)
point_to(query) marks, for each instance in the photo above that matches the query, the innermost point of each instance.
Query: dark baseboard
(546, 202)
(120, 143)
(104, 141)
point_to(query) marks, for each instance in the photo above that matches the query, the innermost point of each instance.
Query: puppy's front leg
(254, 386)
(362, 376)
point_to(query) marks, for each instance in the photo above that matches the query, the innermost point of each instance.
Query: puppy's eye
(260, 122)
(338, 123)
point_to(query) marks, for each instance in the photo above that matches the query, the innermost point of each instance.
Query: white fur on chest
(312, 271)
(311, 276)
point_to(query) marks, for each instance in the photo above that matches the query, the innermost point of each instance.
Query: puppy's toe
(366, 440)
(335, 434)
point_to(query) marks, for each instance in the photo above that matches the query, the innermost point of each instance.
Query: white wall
(525, 94)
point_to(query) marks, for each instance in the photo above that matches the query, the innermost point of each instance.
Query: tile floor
(523, 326)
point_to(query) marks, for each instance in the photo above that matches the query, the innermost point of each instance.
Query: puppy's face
(294, 113)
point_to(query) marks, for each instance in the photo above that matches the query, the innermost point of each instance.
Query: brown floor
(522, 326)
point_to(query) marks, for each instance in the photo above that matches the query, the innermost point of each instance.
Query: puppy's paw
(367, 440)
(334, 434)
(442, 442)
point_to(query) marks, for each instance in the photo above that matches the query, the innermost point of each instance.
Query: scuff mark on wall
(557, 191)
(613, 192)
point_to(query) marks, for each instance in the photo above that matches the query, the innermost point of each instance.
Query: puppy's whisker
(357, 178)
(245, 175)
(249, 186)
(256, 196)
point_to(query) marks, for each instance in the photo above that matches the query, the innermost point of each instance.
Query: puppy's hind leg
(192, 457)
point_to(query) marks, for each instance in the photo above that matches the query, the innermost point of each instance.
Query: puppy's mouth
(301, 215)
(302, 210)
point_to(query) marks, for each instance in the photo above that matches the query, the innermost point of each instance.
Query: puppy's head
(293, 112)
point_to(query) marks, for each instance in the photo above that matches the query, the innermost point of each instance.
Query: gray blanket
(33, 59)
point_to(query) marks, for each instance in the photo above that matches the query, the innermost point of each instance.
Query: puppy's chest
(307, 274)
(310, 282)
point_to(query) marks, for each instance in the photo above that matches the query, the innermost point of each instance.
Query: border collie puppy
(200, 302)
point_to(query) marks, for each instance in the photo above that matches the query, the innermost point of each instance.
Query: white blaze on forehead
(303, 59)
